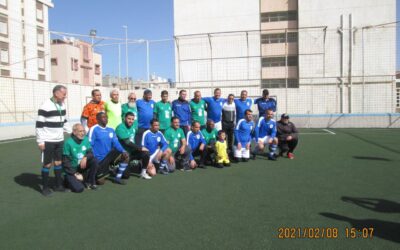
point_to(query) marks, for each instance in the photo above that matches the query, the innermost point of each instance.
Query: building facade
(74, 61)
(314, 56)
(24, 39)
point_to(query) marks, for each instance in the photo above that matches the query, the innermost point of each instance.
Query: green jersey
(125, 109)
(123, 133)
(113, 111)
(163, 113)
(198, 111)
(76, 151)
(174, 137)
(210, 135)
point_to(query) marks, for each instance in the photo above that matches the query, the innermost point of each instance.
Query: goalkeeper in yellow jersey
(221, 158)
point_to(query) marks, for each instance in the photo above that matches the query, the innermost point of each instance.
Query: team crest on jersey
(251, 127)
(151, 105)
(198, 136)
(110, 135)
(179, 135)
(220, 104)
(248, 104)
(158, 139)
(84, 148)
(271, 126)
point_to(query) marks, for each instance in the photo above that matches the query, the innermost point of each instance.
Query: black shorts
(52, 152)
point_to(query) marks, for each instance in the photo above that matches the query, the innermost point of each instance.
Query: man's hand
(270, 140)
(193, 164)
(83, 162)
(182, 150)
(41, 147)
(247, 146)
(239, 146)
(289, 138)
(144, 149)
(78, 176)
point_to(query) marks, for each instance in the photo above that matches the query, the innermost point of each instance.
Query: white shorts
(153, 157)
(218, 125)
(242, 153)
(264, 139)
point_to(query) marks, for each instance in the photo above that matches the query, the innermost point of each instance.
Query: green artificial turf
(350, 179)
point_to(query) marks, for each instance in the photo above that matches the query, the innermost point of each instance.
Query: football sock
(255, 150)
(121, 169)
(57, 173)
(164, 164)
(272, 149)
(45, 177)
(143, 171)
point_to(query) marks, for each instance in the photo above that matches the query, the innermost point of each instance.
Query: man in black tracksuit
(287, 136)
(228, 119)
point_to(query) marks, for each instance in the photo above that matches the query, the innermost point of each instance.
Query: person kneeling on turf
(126, 136)
(78, 161)
(221, 148)
(107, 150)
(288, 136)
(159, 152)
(180, 152)
(197, 144)
(243, 132)
(265, 134)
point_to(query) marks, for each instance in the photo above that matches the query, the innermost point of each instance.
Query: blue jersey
(265, 128)
(263, 105)
(152, 141)
(241, 107)
(195, 140)
(214, 108)
(103, 140)
(243, 132)
(145, 112)
(182, 111)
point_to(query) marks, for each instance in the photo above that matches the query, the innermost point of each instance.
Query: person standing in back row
(214, 108)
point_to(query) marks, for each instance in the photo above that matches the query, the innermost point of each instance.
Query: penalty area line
(17, 140)
(329, 131)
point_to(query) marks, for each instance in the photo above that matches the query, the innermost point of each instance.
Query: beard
(132, 104)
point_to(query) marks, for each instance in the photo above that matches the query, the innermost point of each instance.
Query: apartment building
(74, 61)
(24, 39)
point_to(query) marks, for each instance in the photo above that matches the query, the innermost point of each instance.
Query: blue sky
(146, 19)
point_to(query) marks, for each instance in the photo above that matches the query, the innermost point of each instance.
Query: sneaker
(60, 189)
(163, 171)
(253, 156)
(145, 176)
(186, 169)
(201, 165)
(47, 192)
(271, 157)
(93, 187)
(227, 164)
(119, 181)
(290, 156)
(219, 165)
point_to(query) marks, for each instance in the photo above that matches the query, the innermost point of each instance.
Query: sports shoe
(93, 187)
(290, 155)
(253, 156)
(119, 181)
(59, 189)
(219, 165)
(163, 170)
(145, 176)
(186, 169)
(271, 157)
(201, 165)
(227, 164)
(47, 192)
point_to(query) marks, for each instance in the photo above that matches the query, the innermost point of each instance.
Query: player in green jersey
(130, 106)
(198, 107)
(163, 111)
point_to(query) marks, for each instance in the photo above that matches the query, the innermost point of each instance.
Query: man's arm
(295, 132)
(66, 163)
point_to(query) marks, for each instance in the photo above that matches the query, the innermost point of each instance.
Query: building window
(85, 53)
(279, 16)
(279, 61)
(397, 94)
(3, 25)
(75, 81)
(54, 61)
(5, 72)
(40, 36)
(41, 60)
(39, 12)
(74, 64)
(279, 83)
(4, 58)
(279, 38)
(97, 69)
(41, 77)
(3, 4)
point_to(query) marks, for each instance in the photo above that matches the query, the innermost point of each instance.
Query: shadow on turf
(377, 205)
(372, 142)
(383, 229)
(30, 180)
(371, 158)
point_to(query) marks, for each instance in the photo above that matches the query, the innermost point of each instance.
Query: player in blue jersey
(243, 132)
(264, 103)
(107, 149)
(145, 109)
(197, 143)
(214, 108)
(181, 109)
(155, 142)
(265, 134)
(242, 105)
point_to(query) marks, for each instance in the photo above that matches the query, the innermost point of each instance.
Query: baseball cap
(284, 116)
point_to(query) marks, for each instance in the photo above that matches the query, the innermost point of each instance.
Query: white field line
(18, 140)
(330, 132)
